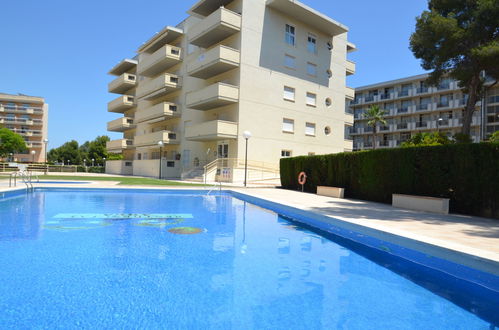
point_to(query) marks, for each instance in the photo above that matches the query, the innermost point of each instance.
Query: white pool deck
(467, 240)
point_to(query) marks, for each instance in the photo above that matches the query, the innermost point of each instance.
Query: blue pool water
(148, 259)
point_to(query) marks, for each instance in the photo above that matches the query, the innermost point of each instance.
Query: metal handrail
(219, 184)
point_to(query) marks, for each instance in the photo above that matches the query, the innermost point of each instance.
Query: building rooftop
(21, 98)
(308, 16)
(393, 82)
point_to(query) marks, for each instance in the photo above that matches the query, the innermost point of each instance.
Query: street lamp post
(246, 135)
(33, 156)
(160, 144)
(11, 157)
(85, 165)
(46, 142)
(439, 122)
(93, 162)
(104, 161)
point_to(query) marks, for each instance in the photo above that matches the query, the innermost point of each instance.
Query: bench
(421, 203)
(331, 191)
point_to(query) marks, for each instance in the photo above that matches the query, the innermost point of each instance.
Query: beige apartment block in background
(412, 106)
(275, 68)
(28, 117)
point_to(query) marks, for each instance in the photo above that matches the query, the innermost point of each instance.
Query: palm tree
(374, 115)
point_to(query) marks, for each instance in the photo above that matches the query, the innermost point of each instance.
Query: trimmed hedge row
(468, 174)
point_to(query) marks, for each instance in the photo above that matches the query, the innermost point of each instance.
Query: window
(289, 93)
(312, 69)
(290, 35)
(311, 99)
(329, 102)
(310, 129)
(312, 44)
(288, 125)
(289, 61)
(327, 130)
(286, 153)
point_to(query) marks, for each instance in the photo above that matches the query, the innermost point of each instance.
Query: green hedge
(468, 174)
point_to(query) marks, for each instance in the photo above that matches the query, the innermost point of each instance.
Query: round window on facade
(328, 102)
(327, 130)
(329, 74)
(329, 45)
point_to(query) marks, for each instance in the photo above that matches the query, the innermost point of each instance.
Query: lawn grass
(122, 180)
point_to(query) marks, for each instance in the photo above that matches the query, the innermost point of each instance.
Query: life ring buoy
(302, 178)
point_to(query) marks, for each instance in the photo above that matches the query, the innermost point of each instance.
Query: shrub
(466, 173)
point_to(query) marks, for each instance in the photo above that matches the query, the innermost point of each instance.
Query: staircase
(195, 174)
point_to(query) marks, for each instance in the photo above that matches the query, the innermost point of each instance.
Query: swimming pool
(182, 259)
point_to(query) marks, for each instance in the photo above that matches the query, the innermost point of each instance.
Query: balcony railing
(123, 83)
(213, 96)
(163, 110)
(161, 60)
(159, 86)
(422, 90)
(369, 98)
(218, 26)
(443, 104)
(442, 87)
(152, 139)
(423, 107)
(211, 131)
(384, 128)
(403, 110)
(403, 92)
(214, 62)
(402, 126)
(385, 96)
(421, 124)
(121, 104)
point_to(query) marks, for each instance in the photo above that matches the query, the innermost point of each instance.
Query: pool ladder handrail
(217, 184)
(25, 176)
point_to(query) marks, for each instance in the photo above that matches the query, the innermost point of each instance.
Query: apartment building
(412, 106)
(28, 117)
(275, 68)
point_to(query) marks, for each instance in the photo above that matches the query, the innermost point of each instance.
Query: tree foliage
(375, 116)
(11, 142)
(459, 38)
(79, 154)
(494, 138)
(427, 139)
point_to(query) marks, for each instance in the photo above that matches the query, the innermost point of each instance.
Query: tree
(459, 38)
(11, 142)
(494, 138)
(68, 151)
(427, 139)
(374, 115)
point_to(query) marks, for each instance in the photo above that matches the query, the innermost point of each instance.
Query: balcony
(350, 68)
(123, 83)
(443, 104)
(386, 96)
(161, 60)
(121, 104)
(220, 25)
(117, 146)
(214, 62)
(213, 96)
(349, 93)
(126, 65)
(401, 126)
(158, 112)
(152, 139)
(403, 110)
(423, 107)
(164, 37)
(403, 93)
(160, 86)
(422, 90)
(211, 131)
(369, 98)
(384, 128)
(421, 124)
(120, 124)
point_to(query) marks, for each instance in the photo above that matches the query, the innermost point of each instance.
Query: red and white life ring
(302, 178)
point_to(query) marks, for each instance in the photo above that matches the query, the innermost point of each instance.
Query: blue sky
(62, 50)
